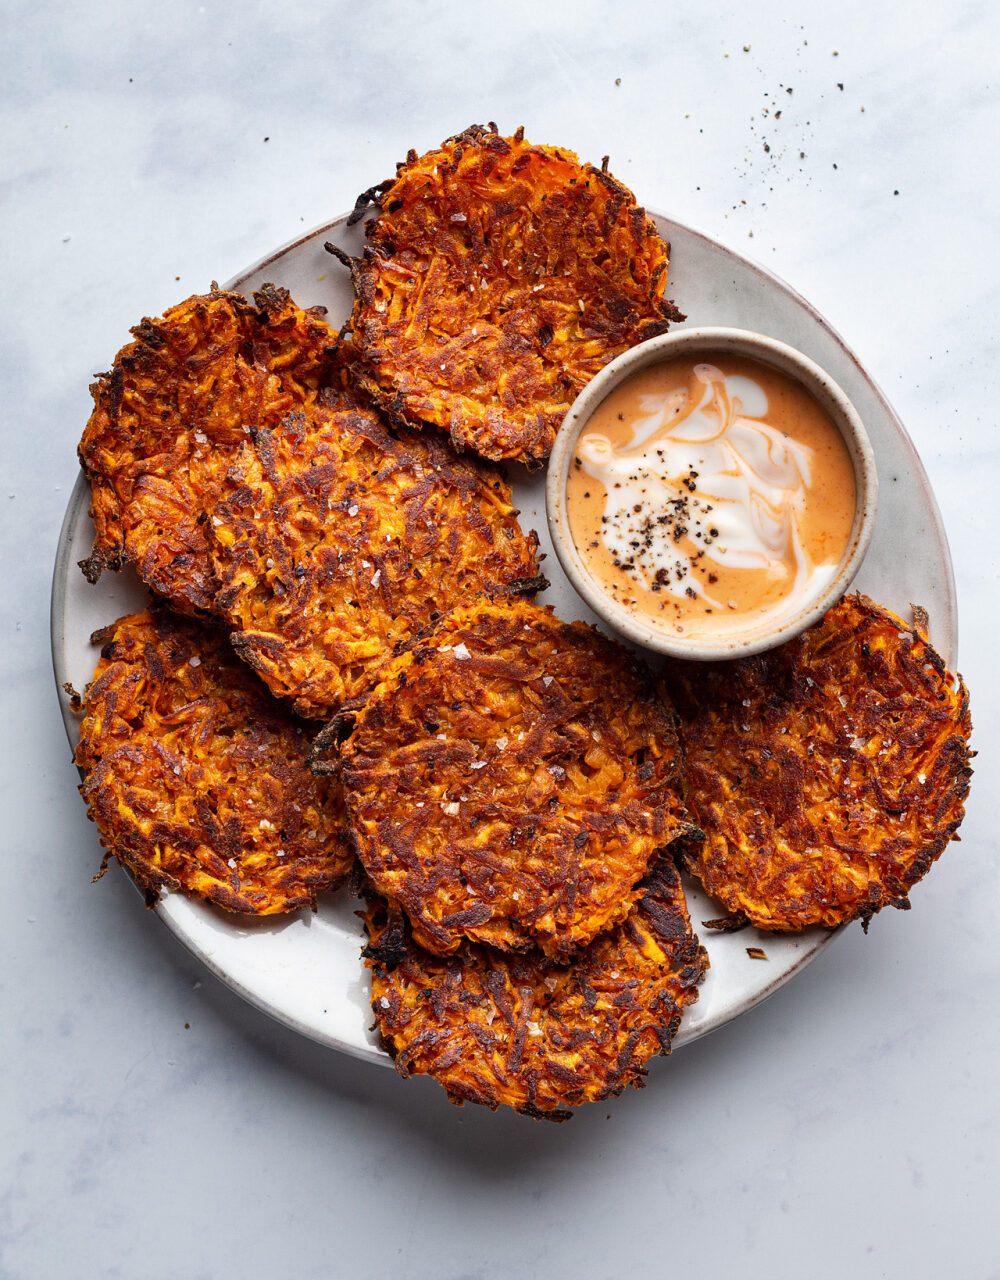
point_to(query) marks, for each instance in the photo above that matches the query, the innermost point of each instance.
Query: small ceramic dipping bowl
(736, 634)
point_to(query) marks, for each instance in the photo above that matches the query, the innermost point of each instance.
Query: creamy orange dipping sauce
(708, 495)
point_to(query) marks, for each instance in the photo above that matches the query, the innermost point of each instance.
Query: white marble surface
(153, 1125)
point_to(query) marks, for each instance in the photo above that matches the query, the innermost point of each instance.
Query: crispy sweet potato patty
(498, 279)
(335, 543)
(241, 485)
(518, 1030)
(509, 780)
(828, 774)
(197, 778)
(168, 419)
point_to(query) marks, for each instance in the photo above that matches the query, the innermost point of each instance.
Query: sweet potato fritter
(519, 1030)
(197, 778)
(498, 279)
(828, 774)
(336, 542)
(509, 780)
(170, 416)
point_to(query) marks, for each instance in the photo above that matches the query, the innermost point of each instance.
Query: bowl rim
(778, 355)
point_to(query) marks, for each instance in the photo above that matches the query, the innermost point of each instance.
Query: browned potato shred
(169, 418)
(510, 779)
(233, 464)
(498, 279)
(520, 1031)
(335, 543)
(827, 774)
(197, 778)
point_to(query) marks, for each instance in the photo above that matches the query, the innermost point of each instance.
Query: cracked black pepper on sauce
(706, 494)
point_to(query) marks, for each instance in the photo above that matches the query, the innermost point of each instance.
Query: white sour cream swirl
(704, 478)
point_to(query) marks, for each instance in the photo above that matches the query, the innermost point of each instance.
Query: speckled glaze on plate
(306, 970)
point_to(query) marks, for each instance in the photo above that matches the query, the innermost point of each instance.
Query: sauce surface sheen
(710, 494)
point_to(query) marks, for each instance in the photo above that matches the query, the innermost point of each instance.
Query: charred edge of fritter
(244, 642)
(671, 314)
(399, 439)
(111, 556)
(106, 392)
(956, 756)
(387, 954)
(367, 199)
(530, 1110)
(917, 629)
(690, 962)
(534, 461)
(103, 634)
(150, 883)
(345, 259)
(921, 622)
(100, 559)
(323, 758)
(344, 356)
(957, 745)
(392, 947)
(472, 135)
(262, 651)
(459, 1097)
(687, 845)
(391, 404)
(271, 300)
(150, 880)
(687, 833)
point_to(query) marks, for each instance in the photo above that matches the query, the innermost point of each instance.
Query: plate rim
(78, 506)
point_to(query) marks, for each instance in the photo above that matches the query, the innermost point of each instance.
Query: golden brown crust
(170, 416)
(509, 780)
(498, 279)
(336, 542)
(197, 778)
(828, 774)
(518, 1030)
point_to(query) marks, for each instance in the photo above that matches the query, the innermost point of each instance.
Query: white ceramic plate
(306, 970)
